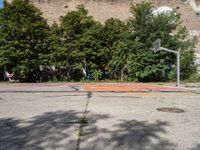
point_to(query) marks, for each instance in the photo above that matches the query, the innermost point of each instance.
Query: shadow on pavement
(51, 130)
(197, 147)
(58, 130)
(128, 135)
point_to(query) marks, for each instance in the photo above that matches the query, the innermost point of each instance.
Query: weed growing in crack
(83, 121)
(81, 132)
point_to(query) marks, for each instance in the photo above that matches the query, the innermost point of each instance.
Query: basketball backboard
(156, 45)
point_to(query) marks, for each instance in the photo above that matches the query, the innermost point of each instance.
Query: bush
(194, 78)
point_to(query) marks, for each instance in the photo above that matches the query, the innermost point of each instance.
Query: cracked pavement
(50, 119)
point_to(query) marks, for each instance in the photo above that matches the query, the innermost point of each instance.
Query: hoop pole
(178, 69)
(177, 64)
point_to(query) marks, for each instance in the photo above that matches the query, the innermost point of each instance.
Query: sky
(1, 3)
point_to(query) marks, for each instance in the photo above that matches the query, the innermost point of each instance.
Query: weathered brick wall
(104, 9)
(99, 9)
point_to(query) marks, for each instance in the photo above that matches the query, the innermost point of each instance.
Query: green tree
(23, 41)
(70, 54)
(137, 60)
(113, 31)
(82, 48)
(94, 49)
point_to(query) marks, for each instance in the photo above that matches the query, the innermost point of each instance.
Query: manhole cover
(171, 110)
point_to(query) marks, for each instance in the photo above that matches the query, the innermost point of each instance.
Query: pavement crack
(75, 88)
(83, 122)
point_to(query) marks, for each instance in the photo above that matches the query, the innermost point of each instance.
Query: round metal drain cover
(171, 110)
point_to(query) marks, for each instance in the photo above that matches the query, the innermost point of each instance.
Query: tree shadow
(59, 130)
(197, 147)
(129, 135)
(51, 130)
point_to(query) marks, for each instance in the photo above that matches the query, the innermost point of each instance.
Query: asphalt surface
(67, 117)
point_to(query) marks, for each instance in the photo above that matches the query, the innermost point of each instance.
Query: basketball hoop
(156, 45)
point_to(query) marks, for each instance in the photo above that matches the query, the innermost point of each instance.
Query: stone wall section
(104, 9)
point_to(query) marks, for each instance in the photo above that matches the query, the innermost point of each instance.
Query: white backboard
(156, 45)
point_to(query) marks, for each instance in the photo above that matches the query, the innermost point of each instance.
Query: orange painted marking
(128, 87)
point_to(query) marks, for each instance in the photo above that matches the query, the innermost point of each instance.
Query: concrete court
(47, 117)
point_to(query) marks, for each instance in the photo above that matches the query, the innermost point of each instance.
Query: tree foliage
(134, 56)
(81, 48)
(23, 35)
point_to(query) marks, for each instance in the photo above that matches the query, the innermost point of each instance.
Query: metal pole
(178, 63)
(156, 47)
(178, 69)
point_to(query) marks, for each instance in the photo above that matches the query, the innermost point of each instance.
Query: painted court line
(129, 87)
